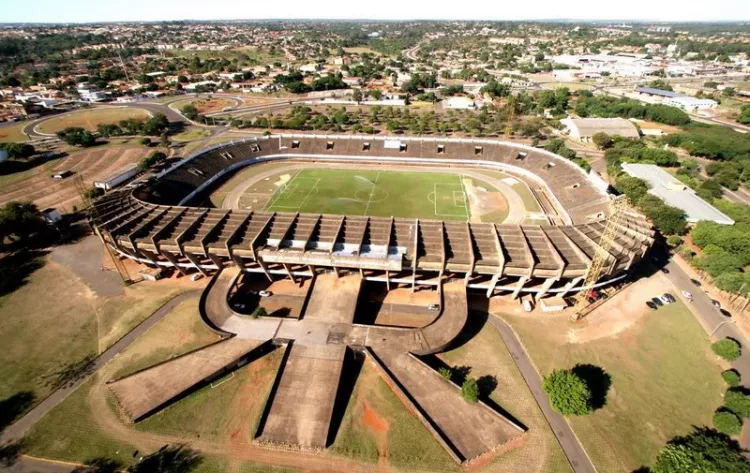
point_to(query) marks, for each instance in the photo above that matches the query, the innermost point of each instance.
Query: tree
(668, 220)
(727, 422)
(76, 136)
(632, 187)
(145, 141)
(732, 377)
(446, 373)
(737, 400)
(602, 140)
(169, 459)
(259, 312)
(190, 112)
(357, 95)
(376, 94)
(703, 451)
(568, 393)
(18, 150)
(20, 220)
(470, 390)
(728, 349)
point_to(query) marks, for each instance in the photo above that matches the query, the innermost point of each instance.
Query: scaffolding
(619, 207)
(87, 197)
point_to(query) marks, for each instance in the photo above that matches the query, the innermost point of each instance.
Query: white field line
(372, 192)
(282, 189)
(467, 209)
(231, 376)
(440, 214)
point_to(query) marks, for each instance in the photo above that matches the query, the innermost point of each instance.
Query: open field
(13, 132)
(36, 184)
(377, 427)
(205, 105)
(570, 85)
(181, 331)
(664, 380)
(65, 322)
(191, 134)
(217, 197)
(488, 358)
(89, 119)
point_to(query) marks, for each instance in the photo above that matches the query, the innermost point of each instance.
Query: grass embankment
(89, 119)
(13, 133)
(664, 380)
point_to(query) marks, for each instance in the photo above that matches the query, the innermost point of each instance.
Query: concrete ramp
(334, 299)
(302, 405)
(455, 311)
(467, 430)
(145, 392)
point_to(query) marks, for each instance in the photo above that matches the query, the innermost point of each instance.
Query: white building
(584, 129)
(690, 104)
(458, 103)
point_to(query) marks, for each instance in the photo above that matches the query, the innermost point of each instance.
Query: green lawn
(487, 356)
(89, 119)
(404, 440)
(13, 132)
(664, 380)
(191, 134)
(373, 193)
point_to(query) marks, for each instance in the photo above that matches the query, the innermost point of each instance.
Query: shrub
(446, 373)
(732, 377)
(737, 400)
(728, 349)
(727, 422)
(470, 390)
(145, 141)
(703, 450)
(259, 312)
(568, 393)
(674, 240)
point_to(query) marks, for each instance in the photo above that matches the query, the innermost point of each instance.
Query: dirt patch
(211, 105)
(379, 427)
(621, 312)
(483, 201)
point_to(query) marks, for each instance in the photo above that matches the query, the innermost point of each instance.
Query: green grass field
(664, 381)
(373, 193)
(13, 133)
(89, 119)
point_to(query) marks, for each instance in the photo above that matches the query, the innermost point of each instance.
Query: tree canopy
(568, 393)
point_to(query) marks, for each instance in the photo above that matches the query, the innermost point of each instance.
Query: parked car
(196, 276)
(657, 302)
(239, 306)
(265, 293)
(716, 303)
(433, 307)
(651, 305)
(668, 298)
(687, 295)
(665, 270)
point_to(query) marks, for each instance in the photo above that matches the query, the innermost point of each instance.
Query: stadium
(153, 225)
(354, 183)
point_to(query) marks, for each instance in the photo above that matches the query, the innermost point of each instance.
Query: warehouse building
(583, 129)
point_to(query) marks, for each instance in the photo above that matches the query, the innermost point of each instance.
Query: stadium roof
(676, 194)
(662, 93)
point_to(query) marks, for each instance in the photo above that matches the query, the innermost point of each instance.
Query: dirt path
(379, 427)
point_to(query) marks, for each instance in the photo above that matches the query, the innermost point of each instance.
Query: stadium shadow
(353, 361)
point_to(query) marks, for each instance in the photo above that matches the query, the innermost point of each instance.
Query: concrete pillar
(570, 286)
(289, 272)
(196, 262)
(519, 286)
(336, 271)
(265, 269)
(388, 280)
(171, 258)
(493, 283)
(312, 269)
(545, 287)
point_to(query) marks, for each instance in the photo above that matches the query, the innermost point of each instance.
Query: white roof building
(673, 192)
(583, 129)
(690, 103)
(458, 103)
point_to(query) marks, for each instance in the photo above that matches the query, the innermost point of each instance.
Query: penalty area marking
(291, 187)
(226, 378)
(436, 195)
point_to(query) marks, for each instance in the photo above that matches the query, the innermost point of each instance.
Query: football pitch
(373, 193)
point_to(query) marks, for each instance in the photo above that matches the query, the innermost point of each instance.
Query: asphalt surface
(572, 448)
(18, 429)
(34, 465)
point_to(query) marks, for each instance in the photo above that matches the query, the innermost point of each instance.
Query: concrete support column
(545, 287)
(388, 280)
(312, 270)
(172, 259)
(336, 271)
(265, 269)
(493, 283)
(289, 272)
(570, 286)
(196, 262)
(519, 286)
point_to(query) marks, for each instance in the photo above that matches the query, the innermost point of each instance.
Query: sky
(83, 11)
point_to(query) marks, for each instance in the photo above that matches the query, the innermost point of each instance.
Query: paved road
(572, 448)
(17, 430)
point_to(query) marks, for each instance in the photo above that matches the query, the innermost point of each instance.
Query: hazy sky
(143, 10)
